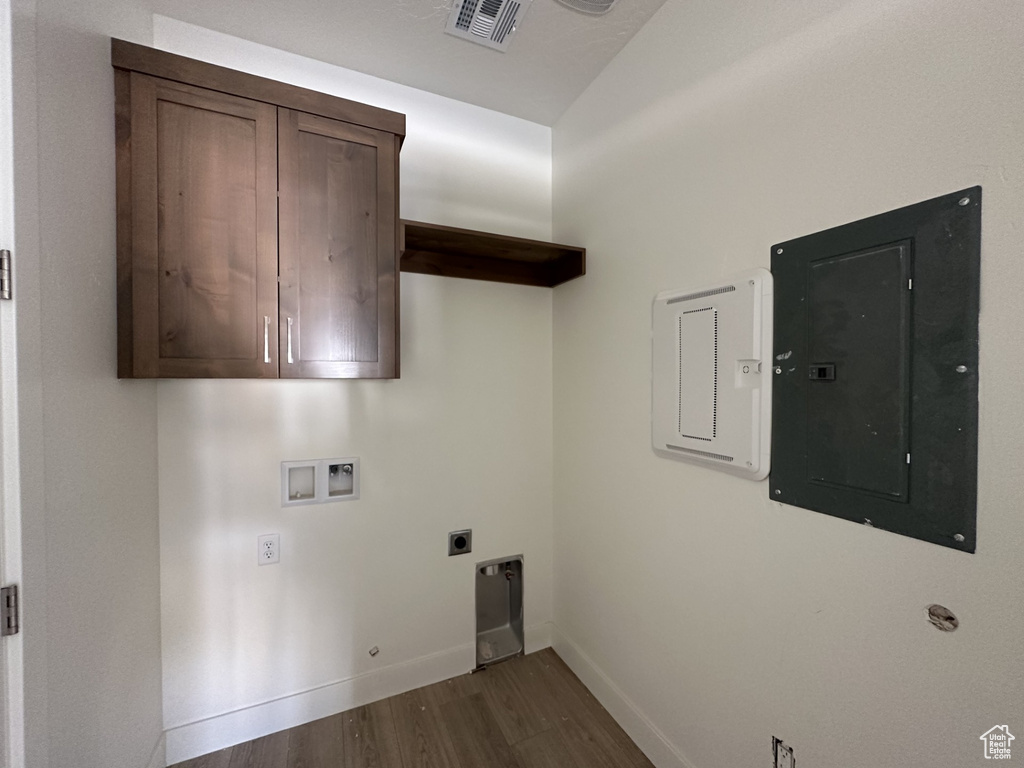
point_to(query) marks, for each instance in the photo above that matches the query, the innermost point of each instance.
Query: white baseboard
(634, 722)
(159, 757)
(201, 737)
(537, 637)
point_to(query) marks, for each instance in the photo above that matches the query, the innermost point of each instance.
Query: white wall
(443, 447)
(463, 439)
(720, 617)
(89, 442)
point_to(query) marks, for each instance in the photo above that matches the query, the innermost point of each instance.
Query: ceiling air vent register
(593, 7)
(487, 22)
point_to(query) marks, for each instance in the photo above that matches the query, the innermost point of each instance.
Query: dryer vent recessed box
(711, 374)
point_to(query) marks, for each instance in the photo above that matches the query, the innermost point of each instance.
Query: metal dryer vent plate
(593, 7)
(487, 22)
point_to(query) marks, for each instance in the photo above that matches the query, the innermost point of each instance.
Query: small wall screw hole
(942, 618)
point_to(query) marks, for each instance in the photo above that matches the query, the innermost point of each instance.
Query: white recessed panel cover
(711, 374)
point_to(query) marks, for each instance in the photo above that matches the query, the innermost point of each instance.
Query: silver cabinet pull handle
(290, 358)
(266, 339)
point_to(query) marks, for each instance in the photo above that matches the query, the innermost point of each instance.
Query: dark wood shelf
(433, 249)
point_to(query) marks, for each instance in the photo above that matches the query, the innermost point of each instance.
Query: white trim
(159, 757)
(201, 737)
(23, 469)
(634, 722)
(538, 637)
(11, 699)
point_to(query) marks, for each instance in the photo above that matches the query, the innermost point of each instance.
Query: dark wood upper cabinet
(204, 231)
(257, 225)
(338, 258)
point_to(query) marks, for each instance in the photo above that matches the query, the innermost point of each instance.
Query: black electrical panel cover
(875, 397)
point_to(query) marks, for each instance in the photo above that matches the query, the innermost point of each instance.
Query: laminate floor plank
(583, 730)
(589, 744)
(452, 689)
(586, 724)
(476, 736)
(513, 699)
(545, 750)
(219, 759)
(319, 744)
(636, 756)
(554, 694)
(266, 752)
(370, 738)
(422, 738)
(528, 712)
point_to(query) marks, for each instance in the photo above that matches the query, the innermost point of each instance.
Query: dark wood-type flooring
(529, 712)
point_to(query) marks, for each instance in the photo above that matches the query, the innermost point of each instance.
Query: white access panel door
(711, 374)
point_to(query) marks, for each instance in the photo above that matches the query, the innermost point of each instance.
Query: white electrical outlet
(269, 549)
(783, 754)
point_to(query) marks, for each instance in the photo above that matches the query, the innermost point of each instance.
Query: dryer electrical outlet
(711, 374)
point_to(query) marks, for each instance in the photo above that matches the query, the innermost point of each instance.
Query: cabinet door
(338, 249)
(204, 232)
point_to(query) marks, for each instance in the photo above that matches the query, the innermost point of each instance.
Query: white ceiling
(554, 55)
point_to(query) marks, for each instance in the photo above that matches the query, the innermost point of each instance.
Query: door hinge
(5, 274)
(9, 612)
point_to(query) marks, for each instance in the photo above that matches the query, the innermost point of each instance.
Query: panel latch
(822, 372)
(9, 613)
